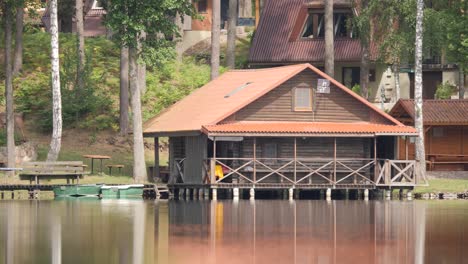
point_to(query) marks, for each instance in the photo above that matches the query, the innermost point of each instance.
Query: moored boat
(122, 191)
(78, 190)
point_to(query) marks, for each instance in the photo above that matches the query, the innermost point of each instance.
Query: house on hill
(292, 31)
(283, 127)
(446, 132)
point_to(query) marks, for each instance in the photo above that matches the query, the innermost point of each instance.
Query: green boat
(131, 191)
(110, 191)
(122, 191)
(78, 190)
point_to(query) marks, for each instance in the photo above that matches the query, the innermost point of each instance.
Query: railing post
(387, 172)
(213, 170)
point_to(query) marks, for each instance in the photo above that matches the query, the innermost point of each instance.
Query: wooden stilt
(156, 174)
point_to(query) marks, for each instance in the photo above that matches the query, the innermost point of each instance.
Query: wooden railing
(315, 171)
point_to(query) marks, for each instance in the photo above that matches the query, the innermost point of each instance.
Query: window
(97, 4)
(202, 6)
(315, 24)
(302, 99)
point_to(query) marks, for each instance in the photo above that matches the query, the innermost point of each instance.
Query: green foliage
(445, 90)
(356, 89)
(3, 138)
(90, 107)
(172, 82)
(128, 18)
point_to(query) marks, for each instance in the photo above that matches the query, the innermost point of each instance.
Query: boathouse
(285, 127)
(446, 132)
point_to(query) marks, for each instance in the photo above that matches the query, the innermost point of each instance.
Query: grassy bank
(444, 185)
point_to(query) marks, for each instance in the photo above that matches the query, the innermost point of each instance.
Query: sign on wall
(323, 86)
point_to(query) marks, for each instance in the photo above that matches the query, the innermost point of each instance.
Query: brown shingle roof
(307, 128)
(435, 112)
(276, 39)
(229, 93)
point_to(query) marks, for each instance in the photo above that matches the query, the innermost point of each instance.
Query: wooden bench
(69, 170)
(118, 166)
(446, 159)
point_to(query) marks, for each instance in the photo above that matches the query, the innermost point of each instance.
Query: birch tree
(19, 24)
(56, 141)
(329, 39)
(150, 17)
(418, 88)
(81, 43)
(7, 12)
(215, 35)
(231, 35)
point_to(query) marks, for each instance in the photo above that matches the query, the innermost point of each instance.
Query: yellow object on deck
(219, 172)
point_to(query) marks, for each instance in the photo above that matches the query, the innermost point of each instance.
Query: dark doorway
(431, 79)
(351, 76)
(385, 147)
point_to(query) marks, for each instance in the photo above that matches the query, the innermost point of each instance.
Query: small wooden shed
(284, 127)
(446, 132)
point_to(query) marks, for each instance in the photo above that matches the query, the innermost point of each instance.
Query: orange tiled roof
(307, 128)
(227, 94)
(436, 112)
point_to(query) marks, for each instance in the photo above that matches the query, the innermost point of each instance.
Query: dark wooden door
(430, 82)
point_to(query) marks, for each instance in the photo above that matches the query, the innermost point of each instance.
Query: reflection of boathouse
(273, 128)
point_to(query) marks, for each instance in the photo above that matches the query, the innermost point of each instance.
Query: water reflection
(133, 231)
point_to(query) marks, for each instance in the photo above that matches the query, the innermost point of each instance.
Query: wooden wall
(451, 140)
(311, 147)
(337, 106)
(195, 154)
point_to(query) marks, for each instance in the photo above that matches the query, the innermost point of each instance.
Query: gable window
(315, 24)
(202, 6)
(302, 99)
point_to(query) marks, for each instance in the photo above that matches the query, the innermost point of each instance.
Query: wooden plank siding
(449, 140)
(195, 155)
(277, 105)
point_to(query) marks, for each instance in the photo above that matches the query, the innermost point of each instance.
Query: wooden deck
(303, 173)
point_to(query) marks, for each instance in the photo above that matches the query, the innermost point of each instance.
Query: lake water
(221, 232)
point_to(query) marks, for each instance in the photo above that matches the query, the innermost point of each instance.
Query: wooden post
(257, 12)
(334, 160)
(376, 171)
(213, 163)
(156, 174)
(254, 160)
(295, 159)
(406, 148)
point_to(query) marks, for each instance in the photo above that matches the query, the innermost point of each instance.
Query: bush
(445, 90)
(356, 89)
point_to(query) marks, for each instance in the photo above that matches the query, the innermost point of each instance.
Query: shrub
(445, 90)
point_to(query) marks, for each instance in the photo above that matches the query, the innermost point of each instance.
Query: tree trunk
(364, 73)
(139, 166)
(8, 17)
(124, 129)
(231, 35)
(215, 34)
(461, 82)
(141, 68)
(329, 36)
(81, 43)
(180, 38)
(56, 141)
(18, 63)
(396, 75)
(418, 88)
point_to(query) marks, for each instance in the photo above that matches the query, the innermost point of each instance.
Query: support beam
(156, 172)
(334, 160)
(295, 160)
(376, 167)
(406, 148)
(213, 164)
(255, 160)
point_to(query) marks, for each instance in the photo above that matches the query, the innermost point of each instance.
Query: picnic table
(97, 157)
